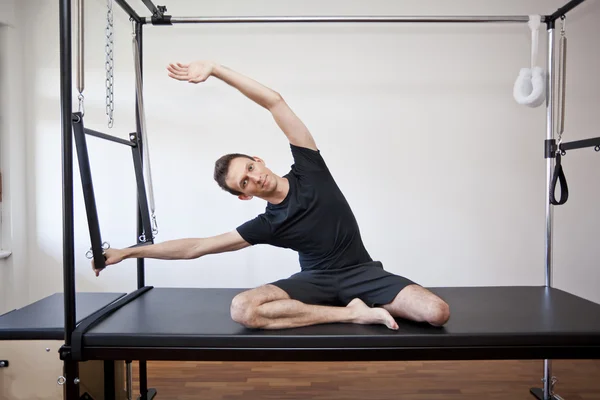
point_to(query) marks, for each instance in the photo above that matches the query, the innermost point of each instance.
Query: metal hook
(155, 226)
(90, 254)
(81, 104)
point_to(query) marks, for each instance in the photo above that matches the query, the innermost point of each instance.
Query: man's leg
(400, 296)
(269, 307)
(419, 304)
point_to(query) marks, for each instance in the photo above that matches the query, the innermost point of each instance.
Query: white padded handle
(534, 25)
(530, 86)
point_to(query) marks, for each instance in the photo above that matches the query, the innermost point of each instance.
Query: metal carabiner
(90, 253)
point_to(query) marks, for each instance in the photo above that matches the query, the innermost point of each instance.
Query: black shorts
(369, 282)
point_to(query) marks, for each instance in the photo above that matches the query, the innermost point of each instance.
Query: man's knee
(244, 306)
(439, 313)
(416, 302)
(241, 309)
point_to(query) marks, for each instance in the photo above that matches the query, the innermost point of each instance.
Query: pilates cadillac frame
(69, 124)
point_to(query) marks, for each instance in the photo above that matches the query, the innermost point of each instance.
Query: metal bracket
(150, 394)
(159, 17)
(64, 353)
(550, 148)
(539, 392)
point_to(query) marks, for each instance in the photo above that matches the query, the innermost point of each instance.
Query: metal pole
(80, 47)
(129, 381)
(152, 8)
(549, 160)
(71, 391)
(143, 376)
(394, 19)
(130, 11)
(565, 9)
(140, 261)
(549, 168)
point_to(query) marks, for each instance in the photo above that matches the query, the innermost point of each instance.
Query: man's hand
(194, 72)
(113, 256)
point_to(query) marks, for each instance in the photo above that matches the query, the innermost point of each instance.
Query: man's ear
(244, 197)
(258, 159)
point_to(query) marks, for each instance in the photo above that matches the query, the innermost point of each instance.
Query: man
(306, 212)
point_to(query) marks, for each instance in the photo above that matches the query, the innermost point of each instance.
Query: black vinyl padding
(480, 316)
(97, 317)
(44, 319)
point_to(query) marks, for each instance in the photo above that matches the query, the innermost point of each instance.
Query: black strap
(559, 175)
(95, 318)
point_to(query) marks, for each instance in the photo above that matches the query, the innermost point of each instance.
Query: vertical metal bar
(140, 261)
(562, 82)
(549, 160)
(549, 168)
(129, 384)
(71, 368)
(80, 47)
(88, 191)
(143, 380)
(143, 211)
(71, 372)
(143, 376)
(109, 380)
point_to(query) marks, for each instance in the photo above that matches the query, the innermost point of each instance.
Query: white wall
(445, 172)
(14, 285)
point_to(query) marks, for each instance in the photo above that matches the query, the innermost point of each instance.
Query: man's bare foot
(364, 314)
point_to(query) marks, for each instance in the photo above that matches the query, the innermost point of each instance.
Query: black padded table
(44, 319)
(519, 322)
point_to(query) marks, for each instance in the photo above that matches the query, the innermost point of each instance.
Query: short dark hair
(222, 168)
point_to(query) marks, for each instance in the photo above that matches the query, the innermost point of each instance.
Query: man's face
(251, 177)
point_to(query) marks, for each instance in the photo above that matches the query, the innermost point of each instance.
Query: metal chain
(110, 106)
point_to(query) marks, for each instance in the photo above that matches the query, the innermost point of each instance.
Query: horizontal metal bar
(388, 19)
(565, 9)
(108, 137)
(580, 144)
(130, 11)
(166, 353)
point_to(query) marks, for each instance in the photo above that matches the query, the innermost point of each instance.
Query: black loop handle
(559, 175)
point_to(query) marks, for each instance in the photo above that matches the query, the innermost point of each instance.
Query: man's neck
(281, 192)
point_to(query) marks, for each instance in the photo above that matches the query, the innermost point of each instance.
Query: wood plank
(414, 380)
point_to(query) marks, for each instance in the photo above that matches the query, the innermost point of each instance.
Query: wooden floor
(431, 380)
